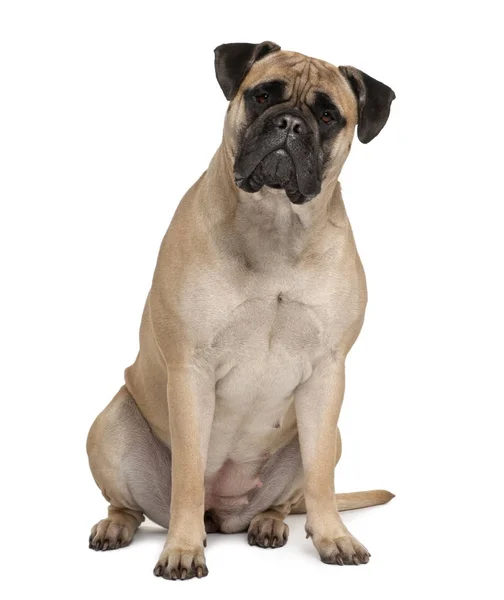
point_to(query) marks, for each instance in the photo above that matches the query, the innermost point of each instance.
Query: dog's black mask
(280, 147)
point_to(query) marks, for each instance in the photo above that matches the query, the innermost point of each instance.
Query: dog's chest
(267, 348)
(262, 333)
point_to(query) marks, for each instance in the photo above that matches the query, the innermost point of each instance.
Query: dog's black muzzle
(280, 151)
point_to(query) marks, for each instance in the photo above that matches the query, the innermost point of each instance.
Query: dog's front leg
(318, 403)
(191, 402)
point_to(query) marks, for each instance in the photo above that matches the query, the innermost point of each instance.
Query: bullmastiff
(228, 418)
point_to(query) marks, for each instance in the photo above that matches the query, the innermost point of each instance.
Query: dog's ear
(233, 61)
(373, 98)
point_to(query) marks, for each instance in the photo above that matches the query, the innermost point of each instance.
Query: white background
(109, 112)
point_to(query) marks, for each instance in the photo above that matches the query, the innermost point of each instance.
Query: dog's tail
(352, 500)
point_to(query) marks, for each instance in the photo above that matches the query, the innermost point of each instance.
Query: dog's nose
(290, 123)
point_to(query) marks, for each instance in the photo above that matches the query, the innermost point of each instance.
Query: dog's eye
(262, 98)
(326, 117)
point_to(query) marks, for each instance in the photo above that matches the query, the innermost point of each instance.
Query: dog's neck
(266, 225)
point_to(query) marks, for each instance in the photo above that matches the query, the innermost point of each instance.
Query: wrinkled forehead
(303, 77)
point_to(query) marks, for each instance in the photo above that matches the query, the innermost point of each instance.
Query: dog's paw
(109, 535)
(345, 550)
(268, 532)
(178, 562)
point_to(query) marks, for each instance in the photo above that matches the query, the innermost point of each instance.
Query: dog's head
(291, 118)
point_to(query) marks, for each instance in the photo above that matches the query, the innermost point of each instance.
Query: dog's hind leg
(132, 469)
(268, 529)
(117, 530)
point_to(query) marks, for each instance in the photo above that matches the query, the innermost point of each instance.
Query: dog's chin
(275, 171)
(294, 195)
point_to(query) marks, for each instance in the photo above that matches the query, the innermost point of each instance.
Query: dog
(228, 418)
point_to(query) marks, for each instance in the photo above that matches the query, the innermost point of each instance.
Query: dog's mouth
(288, 164)
(276, 170)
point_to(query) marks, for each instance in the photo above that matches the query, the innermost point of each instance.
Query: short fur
(228, 418)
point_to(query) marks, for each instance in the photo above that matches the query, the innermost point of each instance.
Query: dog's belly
(265, 352)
